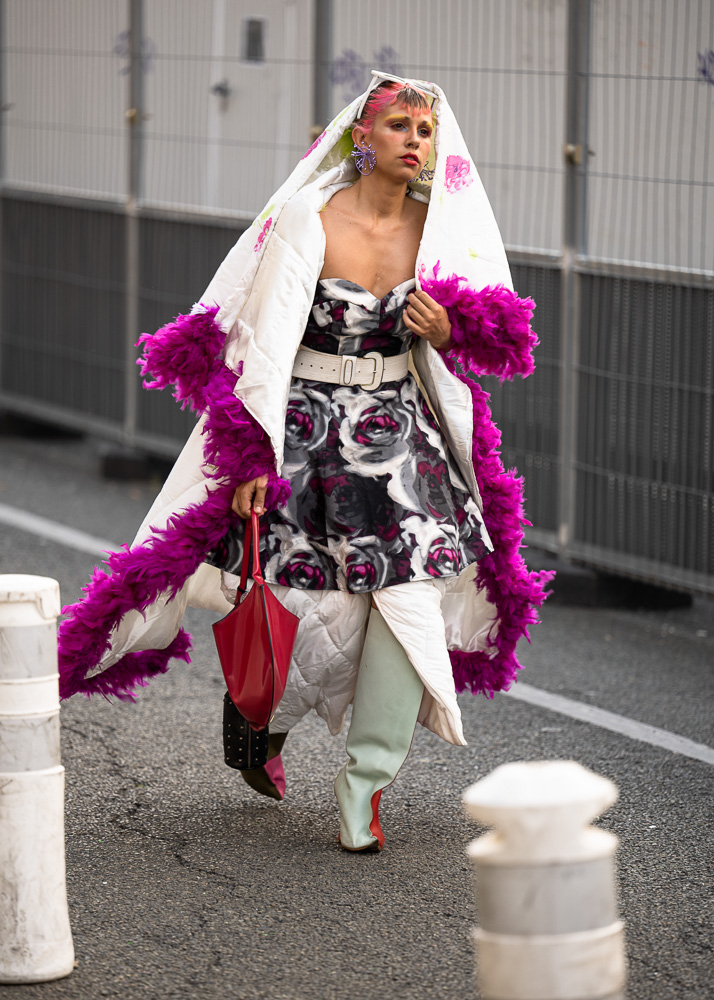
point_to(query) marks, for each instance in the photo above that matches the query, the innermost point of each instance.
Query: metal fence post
(35, 935)
(134, 117)
(545, 886)
(574, 243)
(322, 85)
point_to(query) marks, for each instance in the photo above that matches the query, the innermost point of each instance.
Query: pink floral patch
(315, 144)
(457, 173)
(263, 234)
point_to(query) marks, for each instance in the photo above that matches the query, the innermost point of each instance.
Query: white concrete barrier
(545, 885)
(35, 935)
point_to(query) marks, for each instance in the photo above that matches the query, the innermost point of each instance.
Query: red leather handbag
(255, 641)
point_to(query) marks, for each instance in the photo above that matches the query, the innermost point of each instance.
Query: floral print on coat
(458, 173)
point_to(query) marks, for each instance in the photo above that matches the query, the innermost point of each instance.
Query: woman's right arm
(250, 496)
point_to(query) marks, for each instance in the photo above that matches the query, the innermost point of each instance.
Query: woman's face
(401, 139)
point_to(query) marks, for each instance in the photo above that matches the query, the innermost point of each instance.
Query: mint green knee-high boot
(384, 714)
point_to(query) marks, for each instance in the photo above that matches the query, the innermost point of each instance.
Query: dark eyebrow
(405, 116)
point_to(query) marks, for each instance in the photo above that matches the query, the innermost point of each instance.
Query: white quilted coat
(265, 288)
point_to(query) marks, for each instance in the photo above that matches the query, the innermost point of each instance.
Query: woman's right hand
(250, 496)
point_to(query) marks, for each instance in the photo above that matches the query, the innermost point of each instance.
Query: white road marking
(610, 720)
(641, 731)
(60, 533)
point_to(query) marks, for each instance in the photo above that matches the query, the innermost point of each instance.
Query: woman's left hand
(427, 319)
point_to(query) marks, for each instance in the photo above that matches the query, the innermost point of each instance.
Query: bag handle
(252, 535)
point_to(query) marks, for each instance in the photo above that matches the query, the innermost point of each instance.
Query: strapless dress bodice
(347, 319)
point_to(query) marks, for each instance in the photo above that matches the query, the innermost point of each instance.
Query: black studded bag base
(243, 747)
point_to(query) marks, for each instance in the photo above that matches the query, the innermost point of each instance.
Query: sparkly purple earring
(364, 157)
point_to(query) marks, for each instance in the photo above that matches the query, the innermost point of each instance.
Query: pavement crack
(176, 852)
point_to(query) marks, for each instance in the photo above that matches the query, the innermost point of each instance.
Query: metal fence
(137, 138)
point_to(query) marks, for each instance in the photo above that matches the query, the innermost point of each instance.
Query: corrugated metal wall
(224, 130)
(645, 448)
(178, 259)
(63, 294)
(650, 131)
(64, 83)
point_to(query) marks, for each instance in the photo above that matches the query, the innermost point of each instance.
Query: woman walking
(322, 359)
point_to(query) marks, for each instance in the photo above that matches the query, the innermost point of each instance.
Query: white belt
(369, 371)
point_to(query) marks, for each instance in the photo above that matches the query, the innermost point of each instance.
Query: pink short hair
(384, 96)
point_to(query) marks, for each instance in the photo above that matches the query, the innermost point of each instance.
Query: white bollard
(545, 885)
(35, 935)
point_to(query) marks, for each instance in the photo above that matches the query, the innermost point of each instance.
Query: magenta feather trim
(135, 669)
(240, 450)
(516, 593)
(236, 444)
(490, 328)
(183, 353)
(491, 335)
(137, 577)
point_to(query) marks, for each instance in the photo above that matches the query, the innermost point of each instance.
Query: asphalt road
(183, 883)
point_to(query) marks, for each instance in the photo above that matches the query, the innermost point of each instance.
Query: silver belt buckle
(376, 380)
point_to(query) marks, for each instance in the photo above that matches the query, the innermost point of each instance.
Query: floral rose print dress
(376, 499)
